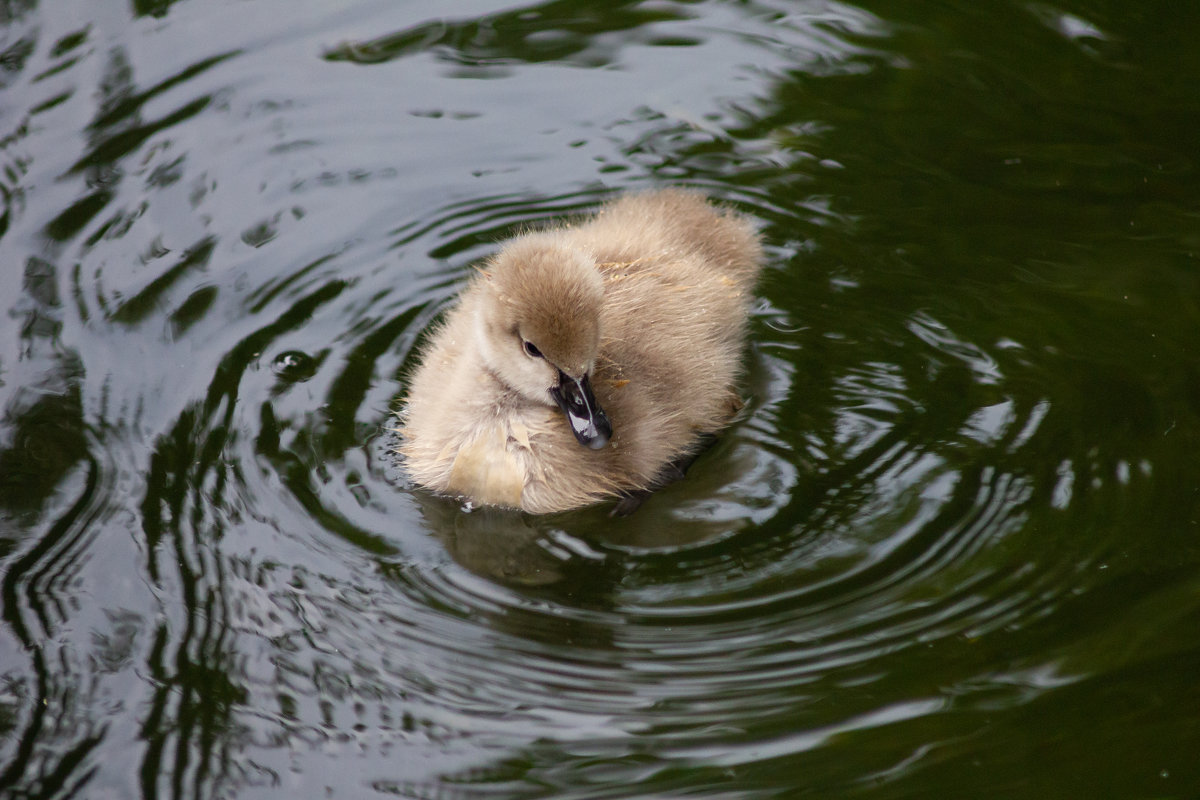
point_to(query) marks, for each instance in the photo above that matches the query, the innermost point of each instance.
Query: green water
(950, 551)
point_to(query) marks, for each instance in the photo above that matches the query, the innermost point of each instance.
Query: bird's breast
(487, 471)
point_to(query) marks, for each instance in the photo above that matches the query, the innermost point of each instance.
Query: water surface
(950, 550)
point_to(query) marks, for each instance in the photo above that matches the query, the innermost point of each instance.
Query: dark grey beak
(588, 421)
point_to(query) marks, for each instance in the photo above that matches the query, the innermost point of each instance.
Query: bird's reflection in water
(580, 547)
(499, 544)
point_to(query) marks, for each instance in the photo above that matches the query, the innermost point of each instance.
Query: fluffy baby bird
(587, 361)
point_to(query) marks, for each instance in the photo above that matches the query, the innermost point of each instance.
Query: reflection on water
(954, 529)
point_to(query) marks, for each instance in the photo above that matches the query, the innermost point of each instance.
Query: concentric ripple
(948, 548)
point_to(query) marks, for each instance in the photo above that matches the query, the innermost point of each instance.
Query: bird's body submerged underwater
(584, 361)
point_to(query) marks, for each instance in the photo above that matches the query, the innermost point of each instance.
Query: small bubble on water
(294, 365)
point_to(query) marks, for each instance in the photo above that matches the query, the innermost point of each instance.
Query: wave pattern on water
(960, 500)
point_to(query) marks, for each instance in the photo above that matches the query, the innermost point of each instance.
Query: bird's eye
(531, 350)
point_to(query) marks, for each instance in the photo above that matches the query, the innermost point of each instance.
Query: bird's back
(679, 275)
(643, 229)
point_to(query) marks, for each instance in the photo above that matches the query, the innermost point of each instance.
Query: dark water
(951, 551)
